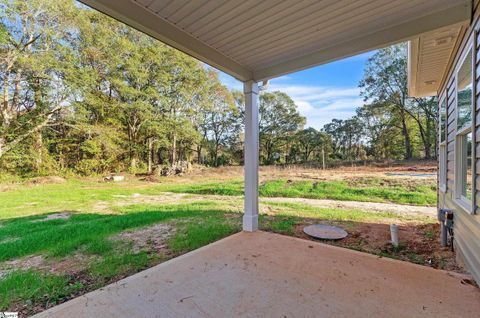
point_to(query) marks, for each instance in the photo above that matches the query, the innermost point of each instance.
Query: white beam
(250, 217)
(136, 16)
(368, 42)
(412, 66)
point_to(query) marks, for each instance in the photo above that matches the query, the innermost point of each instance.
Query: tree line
(390, 124)
(83, 93)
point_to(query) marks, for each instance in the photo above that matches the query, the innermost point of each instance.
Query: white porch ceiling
(261, 39)
(428, 58)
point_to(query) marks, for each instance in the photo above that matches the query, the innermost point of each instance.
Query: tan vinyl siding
(466, 226)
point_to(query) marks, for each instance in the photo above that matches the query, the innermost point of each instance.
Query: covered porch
(255, 41)
(258, 274)
(269, 275)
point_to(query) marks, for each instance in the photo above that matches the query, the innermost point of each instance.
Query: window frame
(442, 147)
(466, 204)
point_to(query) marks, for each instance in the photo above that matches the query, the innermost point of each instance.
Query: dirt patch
(71, 265)
(400, 209)
(149, 238)
(34, 261)
(55, 216)
(8, 187)
(46, 180)
(136, 198)
(65, 266)
(150, 178)
(418, 242)
(237, 203)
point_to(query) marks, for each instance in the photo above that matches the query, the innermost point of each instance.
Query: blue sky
(323, 92)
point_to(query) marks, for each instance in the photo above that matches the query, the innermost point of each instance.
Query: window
(466, 166)
(463, 140)
(442, 175)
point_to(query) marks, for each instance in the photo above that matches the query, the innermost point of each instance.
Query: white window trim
(442, 162)
(466, 204)
(461, 200)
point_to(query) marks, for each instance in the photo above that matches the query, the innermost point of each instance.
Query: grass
(23, 200)
(201, 222)
(90, 232)
(83, 194)
(282, 224)
(194, 235)
(308, 211)
(196, 222)
(22, 285)
(122, 264)
(372, 190)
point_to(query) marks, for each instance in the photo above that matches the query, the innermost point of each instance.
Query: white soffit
(261, 39)
(428, 58)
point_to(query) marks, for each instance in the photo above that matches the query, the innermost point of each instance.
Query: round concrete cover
(325, 232)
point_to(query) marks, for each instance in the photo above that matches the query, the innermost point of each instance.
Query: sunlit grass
(371, 191)
(197, 221)
(83, 194)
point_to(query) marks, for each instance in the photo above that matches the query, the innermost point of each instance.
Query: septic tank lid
(325, 232)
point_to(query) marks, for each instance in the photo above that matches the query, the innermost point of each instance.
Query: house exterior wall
(466, 223)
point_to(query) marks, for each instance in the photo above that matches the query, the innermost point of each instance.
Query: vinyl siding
(466, 226)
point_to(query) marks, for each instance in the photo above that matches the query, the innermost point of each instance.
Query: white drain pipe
(394, 234)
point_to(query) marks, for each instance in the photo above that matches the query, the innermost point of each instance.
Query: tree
(380, 131)
(279, 118)
(425, 113)
(384, 86)
(85, 93)
(141, 86)
(216, 117)
(347, 136)
(33, 62)
(221, 118)
(309, 140)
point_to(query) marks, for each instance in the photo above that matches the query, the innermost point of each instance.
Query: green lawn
(81, 194)
(373, 190)
(196, 224)
(88, 232)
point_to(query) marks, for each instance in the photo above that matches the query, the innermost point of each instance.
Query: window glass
(443, 165)
(443, 120)
(467, 166)
(464, 93)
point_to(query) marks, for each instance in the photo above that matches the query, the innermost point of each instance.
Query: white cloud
(320, 104)
(304, 107)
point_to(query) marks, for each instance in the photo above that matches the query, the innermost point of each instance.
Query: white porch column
(250, 217)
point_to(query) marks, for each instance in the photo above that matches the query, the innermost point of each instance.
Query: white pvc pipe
(394, 234)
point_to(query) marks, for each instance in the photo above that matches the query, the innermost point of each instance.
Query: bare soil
(236, 201)
(151, 238)
(303, 171)
(46, 180)
(55, 216)
(401, 209)
(418, 242)
(65, 266)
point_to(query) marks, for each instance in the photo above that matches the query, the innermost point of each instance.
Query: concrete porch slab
(268, 275)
